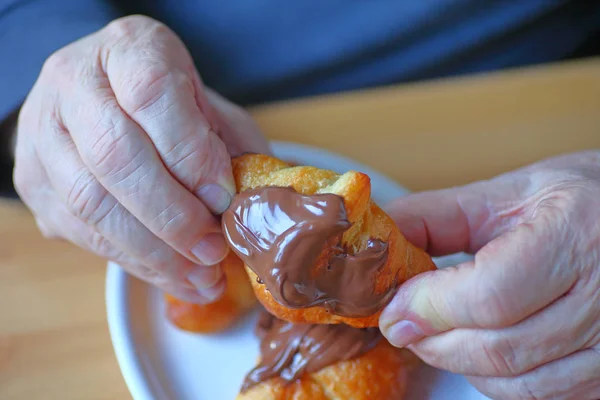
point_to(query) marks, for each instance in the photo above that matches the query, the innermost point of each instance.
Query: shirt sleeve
(30, 31)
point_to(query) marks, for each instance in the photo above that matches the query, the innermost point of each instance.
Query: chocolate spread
(289, 350)
(280, 234)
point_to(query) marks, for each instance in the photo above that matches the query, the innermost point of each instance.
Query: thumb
(501, 286)
(460, 219)
(506, 282)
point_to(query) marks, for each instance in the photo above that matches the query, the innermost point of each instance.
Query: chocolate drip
(289, 350)
(280, 234)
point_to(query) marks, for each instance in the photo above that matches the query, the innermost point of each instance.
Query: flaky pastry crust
(380, 374)
(237, 300)
(369, 222)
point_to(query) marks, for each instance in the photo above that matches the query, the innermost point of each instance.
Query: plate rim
(117, 287)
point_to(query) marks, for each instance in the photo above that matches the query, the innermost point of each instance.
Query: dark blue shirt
(262, 50)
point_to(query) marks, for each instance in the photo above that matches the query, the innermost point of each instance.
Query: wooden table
(54, 341)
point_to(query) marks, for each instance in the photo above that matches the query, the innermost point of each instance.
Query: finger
(574, 377)
(124, 160)
(155, 82)
(237, 129)
(87, 205)
(459, 219)
(63, 224)
(567, 325)
(53, 218)
(511, 278)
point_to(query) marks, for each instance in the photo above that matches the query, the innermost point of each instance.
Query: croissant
(381, 372)
(317, 249)
(237, 300)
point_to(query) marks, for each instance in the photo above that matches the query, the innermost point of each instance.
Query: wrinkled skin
(122, 151)
(522, 320)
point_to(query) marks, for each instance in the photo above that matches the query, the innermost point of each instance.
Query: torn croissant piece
(237, 300)
(328, 362)
(317, 249)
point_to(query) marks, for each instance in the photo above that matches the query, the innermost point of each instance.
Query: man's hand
(522, 320)
(121, 150)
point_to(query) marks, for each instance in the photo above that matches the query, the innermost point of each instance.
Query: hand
(121, 150)
(522, 320)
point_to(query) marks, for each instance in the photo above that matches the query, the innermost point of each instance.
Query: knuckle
(109, 151)
(129, 26)
(194, 153)
(152, 276)
(210, 160)
(145, 88)
(172, 224)
(167, 262)
(134, 265)
(500, 355)
(57, 61)
(121, 167)
(101, 246)
(87, 199)
(142, 272)
(104, 152)
(523, 389)
(56, 126)
(163, 275)
(566, 198)
(59, 65)
(157, 30)
(156, 86)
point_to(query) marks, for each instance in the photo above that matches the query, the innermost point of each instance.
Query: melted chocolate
(289, 350)
(280, 233)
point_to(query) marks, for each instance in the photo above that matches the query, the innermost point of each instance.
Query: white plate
(160, 362)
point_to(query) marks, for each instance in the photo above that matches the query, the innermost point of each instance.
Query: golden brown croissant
(362, 261)
(209, 318)
(381, 372)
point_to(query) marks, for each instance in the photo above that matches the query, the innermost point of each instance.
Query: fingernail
(403, 333)
(203, 277)
(215, 197)
(211, 249)
(214, 292)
